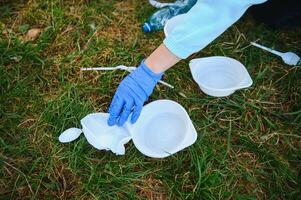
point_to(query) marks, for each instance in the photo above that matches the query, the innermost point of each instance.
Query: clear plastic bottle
(167, 11)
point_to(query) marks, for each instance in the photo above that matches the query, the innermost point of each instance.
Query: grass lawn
(249, 144)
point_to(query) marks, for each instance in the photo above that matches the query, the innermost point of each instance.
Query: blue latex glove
(131, 94)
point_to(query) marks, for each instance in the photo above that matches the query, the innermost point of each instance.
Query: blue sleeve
(205, 21)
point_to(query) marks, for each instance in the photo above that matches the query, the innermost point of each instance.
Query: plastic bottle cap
(146, 27)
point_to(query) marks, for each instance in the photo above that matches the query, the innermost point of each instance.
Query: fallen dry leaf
(32, 34)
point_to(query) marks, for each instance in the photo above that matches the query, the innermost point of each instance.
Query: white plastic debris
(219, 76)
(99, 134)
(163, 129)
(70, 134)
(120, 67)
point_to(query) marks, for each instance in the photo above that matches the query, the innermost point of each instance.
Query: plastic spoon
(289, 58)
(121, 67)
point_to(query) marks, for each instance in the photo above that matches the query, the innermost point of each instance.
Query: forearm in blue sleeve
(206, 20)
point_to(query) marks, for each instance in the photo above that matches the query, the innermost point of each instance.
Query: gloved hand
(131, 94)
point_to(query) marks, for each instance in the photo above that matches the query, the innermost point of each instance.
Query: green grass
(248, 147)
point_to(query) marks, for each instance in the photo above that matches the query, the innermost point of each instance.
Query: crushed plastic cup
(219, 76)
(163, 129)
(99, 134)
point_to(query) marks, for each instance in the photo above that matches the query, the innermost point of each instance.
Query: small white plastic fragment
(69, 135)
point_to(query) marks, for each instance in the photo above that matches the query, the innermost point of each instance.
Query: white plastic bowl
(219, 76)
(163, 129)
